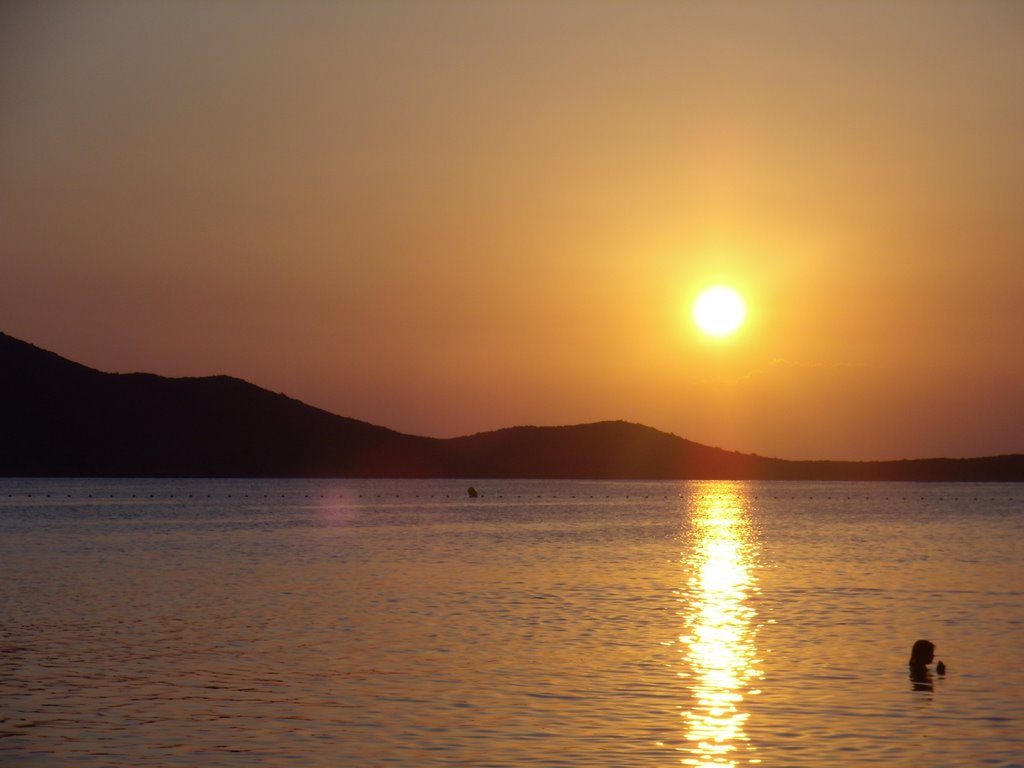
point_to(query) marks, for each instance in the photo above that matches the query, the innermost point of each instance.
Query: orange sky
(448, 217)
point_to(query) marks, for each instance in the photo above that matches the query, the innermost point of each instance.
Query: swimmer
(921, 655)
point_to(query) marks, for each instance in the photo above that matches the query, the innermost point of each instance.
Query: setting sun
(719, 311)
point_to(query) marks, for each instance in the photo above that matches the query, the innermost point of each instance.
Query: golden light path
(718, 652)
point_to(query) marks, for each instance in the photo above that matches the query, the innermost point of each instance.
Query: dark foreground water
(400, 623)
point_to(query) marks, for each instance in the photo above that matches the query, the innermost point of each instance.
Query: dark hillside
(63, 419)
(59, 418)
(606, 449)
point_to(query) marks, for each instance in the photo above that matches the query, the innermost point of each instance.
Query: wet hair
(922, 653)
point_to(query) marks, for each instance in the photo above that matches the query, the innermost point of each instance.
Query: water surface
(374, 623)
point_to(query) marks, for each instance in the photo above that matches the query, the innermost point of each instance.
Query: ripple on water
(626, 629)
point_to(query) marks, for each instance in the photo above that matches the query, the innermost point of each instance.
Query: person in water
(921, 655)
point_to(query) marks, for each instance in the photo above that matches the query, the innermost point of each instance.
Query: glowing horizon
(452, 218)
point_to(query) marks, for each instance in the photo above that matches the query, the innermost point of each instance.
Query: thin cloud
(779, 365)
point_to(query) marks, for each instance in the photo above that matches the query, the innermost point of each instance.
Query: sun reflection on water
(717, 652)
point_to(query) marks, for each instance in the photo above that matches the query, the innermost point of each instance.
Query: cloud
(781, 368)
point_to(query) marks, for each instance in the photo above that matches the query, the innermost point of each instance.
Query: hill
(63, 419)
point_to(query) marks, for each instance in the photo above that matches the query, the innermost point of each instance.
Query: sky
(451, 217)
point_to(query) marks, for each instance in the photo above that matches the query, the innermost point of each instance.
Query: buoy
(472, 492)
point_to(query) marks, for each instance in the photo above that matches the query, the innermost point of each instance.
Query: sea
(377, 623)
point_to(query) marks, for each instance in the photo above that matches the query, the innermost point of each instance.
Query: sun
(719, 311)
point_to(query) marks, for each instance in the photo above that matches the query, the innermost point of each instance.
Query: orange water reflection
(717, 651)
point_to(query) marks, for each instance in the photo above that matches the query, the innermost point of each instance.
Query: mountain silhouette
(62, 419)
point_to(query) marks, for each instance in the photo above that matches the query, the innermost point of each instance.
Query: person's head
(922, 653)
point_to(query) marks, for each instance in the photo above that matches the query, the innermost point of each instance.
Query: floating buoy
(472, 492)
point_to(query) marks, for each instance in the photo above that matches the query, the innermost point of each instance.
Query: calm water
(400, 623)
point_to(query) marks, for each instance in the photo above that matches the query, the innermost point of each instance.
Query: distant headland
(63, 419)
